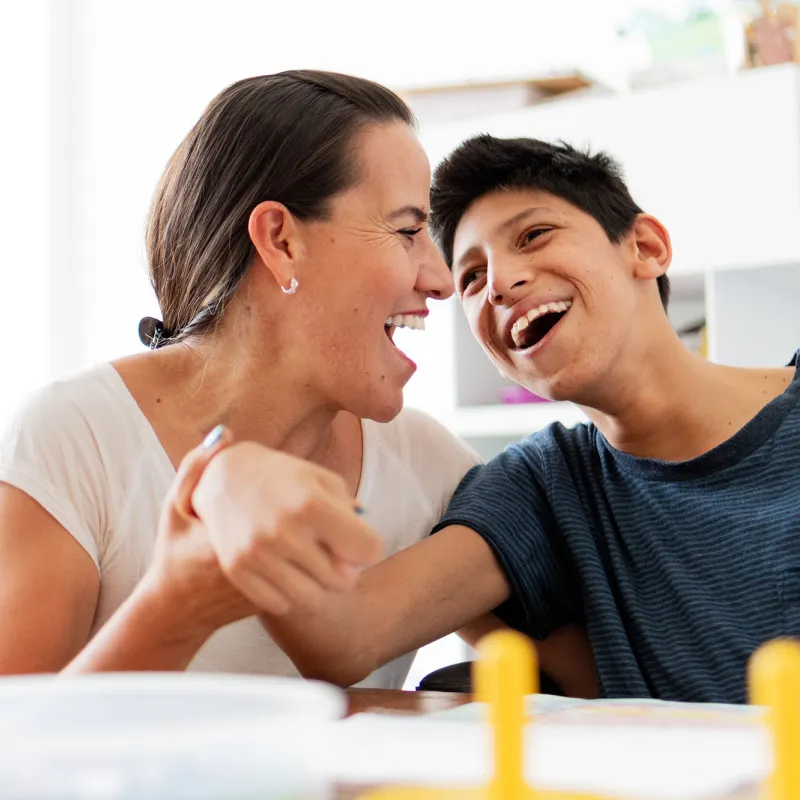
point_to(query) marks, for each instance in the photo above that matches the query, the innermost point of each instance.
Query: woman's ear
(276, 238)
(653, 249)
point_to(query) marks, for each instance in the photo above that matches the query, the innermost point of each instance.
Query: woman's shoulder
(65, 448)
(420, 450)
(70, 403)
(415, 435)
(80, 418)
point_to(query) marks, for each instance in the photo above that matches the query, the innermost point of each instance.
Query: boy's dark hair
(483, 164)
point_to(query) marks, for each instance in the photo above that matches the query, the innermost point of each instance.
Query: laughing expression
(546, 293)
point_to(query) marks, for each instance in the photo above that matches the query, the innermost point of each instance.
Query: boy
(669, 526)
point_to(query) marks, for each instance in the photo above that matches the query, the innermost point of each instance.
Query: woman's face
(368, 268)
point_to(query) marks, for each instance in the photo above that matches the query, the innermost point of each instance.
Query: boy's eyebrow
(419, 214)
(475, 250)
(510, 223)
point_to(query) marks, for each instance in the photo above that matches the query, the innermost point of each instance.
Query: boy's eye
(470, 276)
(532, 234)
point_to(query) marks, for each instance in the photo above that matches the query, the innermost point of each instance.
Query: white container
(164, 735)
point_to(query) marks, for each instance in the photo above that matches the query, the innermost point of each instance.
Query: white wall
(24, 208)
(755, 316)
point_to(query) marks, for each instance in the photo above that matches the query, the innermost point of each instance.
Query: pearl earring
(292, 286)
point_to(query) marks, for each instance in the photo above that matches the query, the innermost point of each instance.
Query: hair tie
(152, 333)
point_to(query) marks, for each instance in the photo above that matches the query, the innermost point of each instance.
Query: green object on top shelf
(696, 38)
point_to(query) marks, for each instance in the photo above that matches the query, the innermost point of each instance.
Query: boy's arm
(413, 598)
(565, 656)
(479, 628)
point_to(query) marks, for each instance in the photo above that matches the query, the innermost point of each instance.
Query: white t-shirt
(85, 452)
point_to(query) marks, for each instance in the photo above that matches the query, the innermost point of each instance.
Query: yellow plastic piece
(774, 677)
(504, 673)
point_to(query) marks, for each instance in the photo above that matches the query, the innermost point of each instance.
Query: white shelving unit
(508, 420)
(718, 161)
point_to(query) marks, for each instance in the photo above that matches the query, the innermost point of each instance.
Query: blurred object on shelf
(433, 104)
(695, 338)
(773, 37)
(701, 43)
(512, 395)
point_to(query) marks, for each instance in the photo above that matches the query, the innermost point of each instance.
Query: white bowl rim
(102, 683)
(312, 703)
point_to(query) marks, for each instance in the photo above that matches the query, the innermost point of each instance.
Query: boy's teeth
(412, 321)
(546, 308)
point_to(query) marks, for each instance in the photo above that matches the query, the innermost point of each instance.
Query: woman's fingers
(306, 553)
(348, 537)
(266, 576)
(283, 530)
(261, 592)
(192, 467)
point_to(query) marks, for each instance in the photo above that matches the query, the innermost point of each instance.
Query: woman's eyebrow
(419, 214)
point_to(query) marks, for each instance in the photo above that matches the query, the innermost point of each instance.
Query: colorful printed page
(567, 710)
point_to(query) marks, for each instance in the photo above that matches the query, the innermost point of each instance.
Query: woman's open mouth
(414, 321)
(531, 328)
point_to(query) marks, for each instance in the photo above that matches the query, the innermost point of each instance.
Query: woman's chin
(383, 406)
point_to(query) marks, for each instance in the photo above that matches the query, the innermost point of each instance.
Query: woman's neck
(185, 390)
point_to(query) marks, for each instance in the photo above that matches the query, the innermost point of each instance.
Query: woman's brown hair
(286, 137)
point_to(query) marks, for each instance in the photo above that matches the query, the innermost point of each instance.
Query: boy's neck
(679, 405)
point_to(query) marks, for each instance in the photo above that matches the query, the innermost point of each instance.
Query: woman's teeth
(413, 321)
(518, 328)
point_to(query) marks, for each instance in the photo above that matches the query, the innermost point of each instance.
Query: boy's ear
(276, 238)
(653, 249)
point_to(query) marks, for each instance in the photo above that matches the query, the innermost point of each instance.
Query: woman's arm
(48, 588)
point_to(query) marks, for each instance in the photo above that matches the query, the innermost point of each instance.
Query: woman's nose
(434, 278)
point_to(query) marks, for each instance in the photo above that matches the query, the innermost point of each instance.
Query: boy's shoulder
(555, 441)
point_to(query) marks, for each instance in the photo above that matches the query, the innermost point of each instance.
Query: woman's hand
(248, 529)
(285, 532)
(185, 574)
(184, 596)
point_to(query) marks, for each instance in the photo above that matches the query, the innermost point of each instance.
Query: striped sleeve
(505, 502)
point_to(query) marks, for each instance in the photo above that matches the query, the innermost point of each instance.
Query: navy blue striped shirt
(678, 570)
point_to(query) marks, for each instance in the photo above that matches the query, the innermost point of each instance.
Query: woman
(286, 242)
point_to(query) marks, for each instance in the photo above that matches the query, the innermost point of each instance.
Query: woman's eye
(409, 233)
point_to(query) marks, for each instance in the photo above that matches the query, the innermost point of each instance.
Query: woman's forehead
(392, 162)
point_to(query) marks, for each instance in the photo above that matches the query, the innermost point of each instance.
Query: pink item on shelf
(511, 395)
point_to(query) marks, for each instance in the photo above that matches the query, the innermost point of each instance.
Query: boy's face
(550, 298)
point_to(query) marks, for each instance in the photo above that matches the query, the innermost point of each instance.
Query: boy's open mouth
(532, 327)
